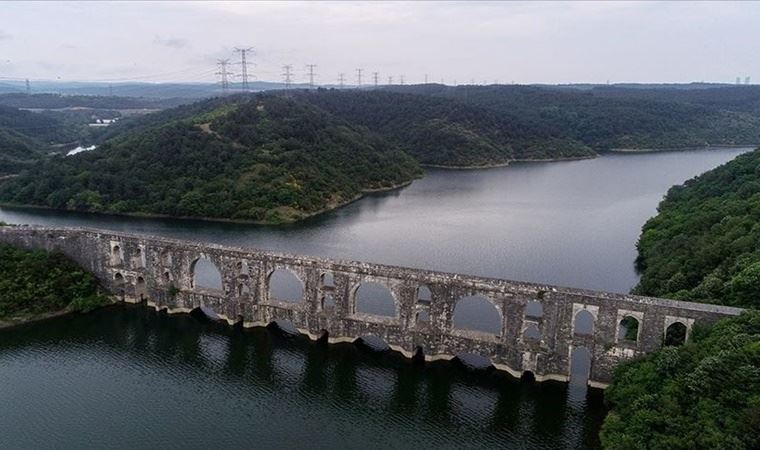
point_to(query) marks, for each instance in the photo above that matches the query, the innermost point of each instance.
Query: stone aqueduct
(160, 271)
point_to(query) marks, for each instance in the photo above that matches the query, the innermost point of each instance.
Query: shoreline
(14, 322)
(139, 215)
(511, 161)
(680, 149)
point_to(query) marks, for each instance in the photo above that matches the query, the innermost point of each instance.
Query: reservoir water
(127, 377)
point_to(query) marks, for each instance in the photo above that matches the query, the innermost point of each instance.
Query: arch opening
(375, 299)
(528, 376)
(473, 361)
(141, 290)
(327, 302)
(372, 342)
(243, 290)
(532, 333)
(675, 334)
(583, 324)
(477, 313)
(534, 309)
(423, 316)
(285, 327)
(580, 366)
(424, 295)
(206, 275)
(285, 286)
(628, 329)
(327, 280)
(115, 255)
(243, 268)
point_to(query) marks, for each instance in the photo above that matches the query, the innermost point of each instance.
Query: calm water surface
(127, 377)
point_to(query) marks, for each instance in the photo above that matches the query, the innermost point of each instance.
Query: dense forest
(57, 101)
(665, 119)
(35, 282)
(446, 132)
(307, 151)
(704, 243)
(705, 394)
(263, 158)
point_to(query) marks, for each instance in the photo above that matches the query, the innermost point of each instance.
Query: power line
(244, 65)
(426, 78)
(287, 75)
(28, 87)
(311, 68)
(390, 80)
(224, 73)
(341, 80)
(401, 80)
(374, 78)
(359, 77)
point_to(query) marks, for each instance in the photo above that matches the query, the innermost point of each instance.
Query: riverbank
(142, 215)
(509, 162)
(11, 322)
(678, 149)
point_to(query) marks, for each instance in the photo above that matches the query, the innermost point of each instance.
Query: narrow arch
(477, 313)
(423, 316)
(141, 290)
(167, 276)
(628, 329)
(243, 268)
(327, 280)
(534, 309)
(675, 334)
(115, 255)
(419, 355)
(372, 342)
(327, 302)
(205, 274)
(584, 323)
(580, 366)
(285, 286)
(424, 295)
(119, 278)
(528, 376)
(532, 333)
(243, 290)
(166, 258)
(376, 299)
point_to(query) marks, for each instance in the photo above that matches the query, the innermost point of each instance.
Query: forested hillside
(704, 243)
(264, 158)
(26, 136)
(703, 395)
(447, 132)
(658, 118)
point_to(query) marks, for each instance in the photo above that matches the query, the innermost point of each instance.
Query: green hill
(446, 132)
(264, 158)
(619, 119)
(704, 243)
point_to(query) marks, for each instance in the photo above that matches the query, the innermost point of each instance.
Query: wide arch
(284, 286)
(205, 274)
(675, 334)
(477, 313)
(375, 299)
(628, 329)
(583, 323)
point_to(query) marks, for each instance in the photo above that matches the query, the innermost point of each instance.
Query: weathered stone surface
(160, 271)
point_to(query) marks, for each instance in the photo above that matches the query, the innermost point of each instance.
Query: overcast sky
(463, 41)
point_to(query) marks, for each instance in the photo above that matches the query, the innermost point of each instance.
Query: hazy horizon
(524, 43)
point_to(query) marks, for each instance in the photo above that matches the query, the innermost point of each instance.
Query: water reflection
(144, 378)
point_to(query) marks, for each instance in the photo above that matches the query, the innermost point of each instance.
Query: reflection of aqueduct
(536, 328)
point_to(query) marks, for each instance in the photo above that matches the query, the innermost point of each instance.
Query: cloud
(170, 42)
(5, 36)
